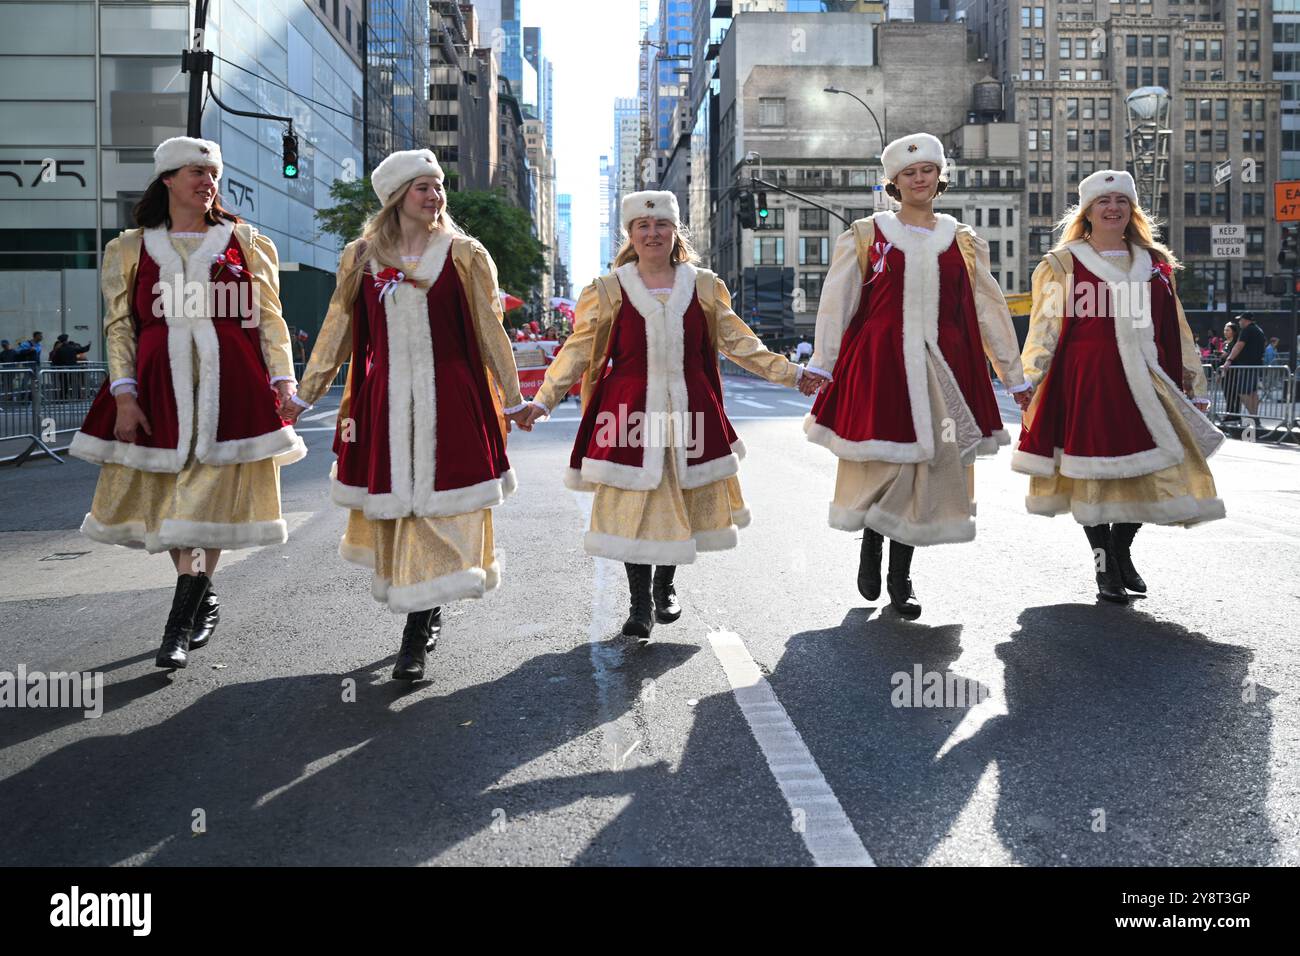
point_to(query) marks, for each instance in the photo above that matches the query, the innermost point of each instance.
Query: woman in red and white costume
(421, 428)
(655, 444)
(1116, 433)
(909, 312)
(187, 426)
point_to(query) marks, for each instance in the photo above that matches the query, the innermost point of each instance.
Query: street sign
(1286, 201)
(1228, 241)
(1222, 171)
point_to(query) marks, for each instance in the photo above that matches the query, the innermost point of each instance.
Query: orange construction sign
(1286, 201)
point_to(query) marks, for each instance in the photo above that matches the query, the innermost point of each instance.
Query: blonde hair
(1140, 231)
(683, 251)
(381, 240)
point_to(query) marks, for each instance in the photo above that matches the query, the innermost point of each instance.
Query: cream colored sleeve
(489, 322)
(739, 343)
(572, 360)
(1044, 323)
(996, 330)
(119, 327)
(334, 343)
(1193, 369)
(841, 294)
(274, 333)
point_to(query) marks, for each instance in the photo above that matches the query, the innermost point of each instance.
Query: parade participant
(909, 311)
(1116, 433)
(421, 428)
(187, 426)
(655, 444)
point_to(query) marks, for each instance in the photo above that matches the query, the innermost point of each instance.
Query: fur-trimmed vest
(205, 309)
(653, 388)
(1096, 413)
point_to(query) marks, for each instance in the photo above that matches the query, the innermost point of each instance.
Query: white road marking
(319, 415)
(806, 406)
(752, 403)
(825, 828)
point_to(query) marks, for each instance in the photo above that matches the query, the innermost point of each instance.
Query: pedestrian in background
(421, 439)
(1247, 352)
(1115, 434)
(655, 443)
(187, 426)
(908, 311)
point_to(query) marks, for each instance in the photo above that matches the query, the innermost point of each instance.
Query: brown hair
(895, 193)
(1140, 231)
(683, 251)
(153, 209)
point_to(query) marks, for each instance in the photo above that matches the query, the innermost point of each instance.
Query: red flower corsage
(230, 259)
(1165, 271)
(387, 280)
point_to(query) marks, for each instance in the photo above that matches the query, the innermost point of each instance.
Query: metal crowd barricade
(340, 380)
(1275, 387)
(37, 406)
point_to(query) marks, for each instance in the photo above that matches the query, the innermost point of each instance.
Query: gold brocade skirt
(668, 524)
(420, 563)
(922, 503)
(1182, 494)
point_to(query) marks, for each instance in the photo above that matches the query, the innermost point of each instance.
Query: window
(1103, 108)
(814, 219)
(1220, 140)
(1148, 76)
(1198, 49)
(1189, 204)
(854, 213)
(348, 19)
(1087, 108)
(1031, 137)
(1221, 110)
(1131, 77)
(1189, 172)
(769, 251)
(775, 219)
(1010, 217)
(995, 217)
(811, 284)
(1103, 139)
(1254, 240)
(771, 111)
(1072, 140)
(1131, 45)
(1080, 48)
(979, 217)
(1162, 45)
(995, 255)
(336, 14)
(1038, 16)
(1148, 46)
(813, 250)
(1203, 203)
(1045, 108)
(1045, 139)
(1047, 204)
(1071, 108)
(1010, 251)
(1065, 48)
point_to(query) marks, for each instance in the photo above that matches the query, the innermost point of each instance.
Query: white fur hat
(185, 151)
(906, 150)
(650, 202)
(1107, 181)
(400, 168)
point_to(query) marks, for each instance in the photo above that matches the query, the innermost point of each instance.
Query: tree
(505, 230)
(507, 233)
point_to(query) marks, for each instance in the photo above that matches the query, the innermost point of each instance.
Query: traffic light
(1287, 255)
(747, 210)
(1280, 285)
(289, 156)
(762, 206)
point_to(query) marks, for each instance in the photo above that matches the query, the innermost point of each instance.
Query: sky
(593, 44)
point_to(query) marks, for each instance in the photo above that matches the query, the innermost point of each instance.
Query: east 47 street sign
(1286, 201)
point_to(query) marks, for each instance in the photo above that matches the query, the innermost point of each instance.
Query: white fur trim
(226, 536)
(1028, 464)
(128, 534)
(1106, 181)
(356, 554)
(637, 550)
(1119, 466)
(705, 473)
(459, 501)
(573, 481)
(846, 519)
(741, 517)
(875, 449)
(103, 452)
(722, 539)
(1184, 510)
(901, 529)
(906, 150)
(409, 598)
(283, 445)
(453, 501)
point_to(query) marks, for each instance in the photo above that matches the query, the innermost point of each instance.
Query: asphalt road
(759, 729)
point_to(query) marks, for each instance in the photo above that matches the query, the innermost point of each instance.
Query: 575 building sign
(47, 174)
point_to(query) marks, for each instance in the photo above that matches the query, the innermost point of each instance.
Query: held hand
(522, 418)
(1024, 398)
(283, 389)
(810, 383)
(530, 416)
(129, 418)
(289, 411)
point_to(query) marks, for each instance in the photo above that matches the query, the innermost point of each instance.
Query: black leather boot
(640, 620)
(190, 591)
(899, 581)
(873, 546)
(667, 609)
(435, 628)
(1121, 537)
(414, 652)
(1110, 586)
(206, 620)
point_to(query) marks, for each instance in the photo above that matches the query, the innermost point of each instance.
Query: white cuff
(545, 410)
(514, 408)
(298, 401)
(1020, 388)
(284, 378)
(817, 371)
(123, 386)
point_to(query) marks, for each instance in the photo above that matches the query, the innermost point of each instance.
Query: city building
(396, 63)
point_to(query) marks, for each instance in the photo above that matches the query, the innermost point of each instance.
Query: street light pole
(197, 62)
(879, 132)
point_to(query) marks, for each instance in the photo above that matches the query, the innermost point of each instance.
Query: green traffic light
(763, 213)
(290, 171)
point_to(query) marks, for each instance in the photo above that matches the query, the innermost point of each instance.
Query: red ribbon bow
(1164, 270)
(879, 254)
(387, 280)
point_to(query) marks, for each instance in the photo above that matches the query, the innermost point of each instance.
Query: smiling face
(424, 199)
(653, 239)
(192, 189)
(1110, 214)
(917, 183)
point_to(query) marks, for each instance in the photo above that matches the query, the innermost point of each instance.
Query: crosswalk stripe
(752, 403)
